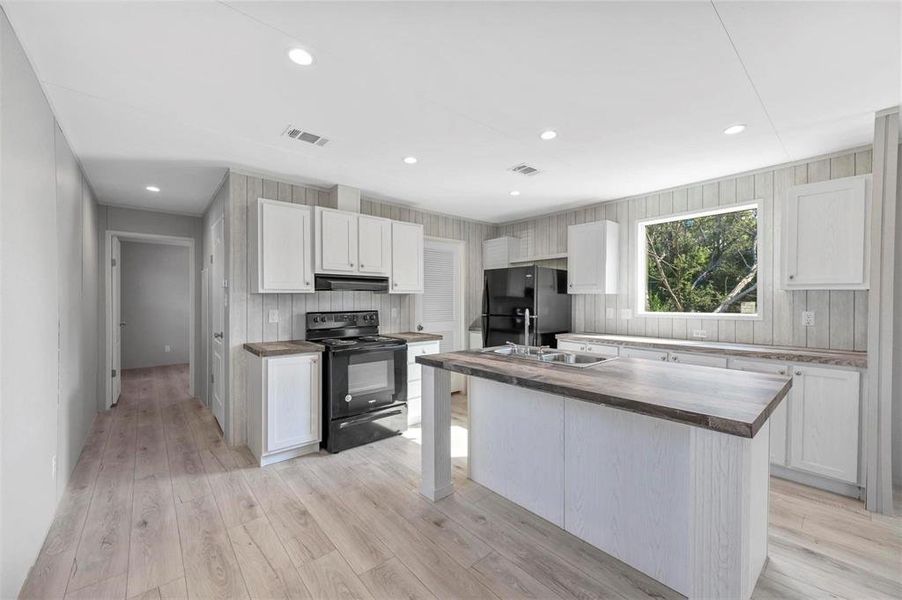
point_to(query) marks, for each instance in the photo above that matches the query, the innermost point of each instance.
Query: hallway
(159, 507)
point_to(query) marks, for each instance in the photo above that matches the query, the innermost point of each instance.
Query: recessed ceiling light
(410, 160)
(548, 134)
(300, 56)
(515, 193)
(734, 129)
(152, 188)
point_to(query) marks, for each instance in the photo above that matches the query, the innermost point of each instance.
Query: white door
(336, 240)
(778, 419)
(117, 324)
(292, 401)
(823, 427)
(374, 245)
(406, 258)
(216, 330)
(440, 309)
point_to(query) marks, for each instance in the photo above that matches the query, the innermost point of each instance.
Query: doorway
(149, 305)
(215, 328)
(440, 309)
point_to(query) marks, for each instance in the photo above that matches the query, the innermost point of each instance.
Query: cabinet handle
(782, 371)
(361, 265)
(675, 358)
(664, 357)
(394, 285)
(798, 372)
(306, 283)
(792, 276)
(571, 285)
(352, 264)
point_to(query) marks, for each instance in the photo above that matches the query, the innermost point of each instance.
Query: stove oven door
(366, 379)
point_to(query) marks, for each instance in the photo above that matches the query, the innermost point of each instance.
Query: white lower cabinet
(283, 404)
(572, 346)
(824, 423)
(414, 379)
(778, 419)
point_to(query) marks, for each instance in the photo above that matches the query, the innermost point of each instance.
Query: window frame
(642, 262)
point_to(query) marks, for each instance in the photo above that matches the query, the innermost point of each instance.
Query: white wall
(155, 304)
(145, 221)
(48, 277)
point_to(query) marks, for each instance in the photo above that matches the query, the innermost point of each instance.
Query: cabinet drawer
(573, 346)
(643, 353)
(704, 360)
(603, 349)
(421, 349)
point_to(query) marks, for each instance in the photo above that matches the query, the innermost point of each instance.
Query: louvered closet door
(439, 309)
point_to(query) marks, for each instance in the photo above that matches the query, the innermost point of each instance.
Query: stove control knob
(348, 398)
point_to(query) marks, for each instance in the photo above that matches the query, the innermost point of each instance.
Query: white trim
(641, 262)
(171, 240)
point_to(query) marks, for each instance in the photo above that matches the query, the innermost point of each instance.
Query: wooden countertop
(731, 402)
(283, 348)
(412, 337)
(842, 358)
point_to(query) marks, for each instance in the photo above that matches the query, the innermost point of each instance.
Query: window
(704, 263)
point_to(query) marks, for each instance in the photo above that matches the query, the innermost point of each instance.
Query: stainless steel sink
(548, 355)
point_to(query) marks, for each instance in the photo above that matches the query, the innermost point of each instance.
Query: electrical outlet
(609, 313)
(274, 316)
(167, 348)
(699, 333)
(808, 318)
(626, 314)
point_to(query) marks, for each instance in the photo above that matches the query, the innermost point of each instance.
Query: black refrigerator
(508, 294)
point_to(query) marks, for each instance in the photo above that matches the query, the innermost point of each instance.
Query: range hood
(350, 283)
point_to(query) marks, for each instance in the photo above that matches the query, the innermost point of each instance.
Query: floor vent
(305, 136)
(524, 169)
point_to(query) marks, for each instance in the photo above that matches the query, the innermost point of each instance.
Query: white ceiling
(172, 93)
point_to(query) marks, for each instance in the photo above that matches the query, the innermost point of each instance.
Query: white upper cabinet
(592, 258)
(500, 252)
(336, 241)
(280, 247)
(373, 245)
(406, 258)
(826, 234)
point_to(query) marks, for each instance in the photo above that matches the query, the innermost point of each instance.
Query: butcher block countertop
(283, 348)
(732, 402)
(842, 358)
(412, 337)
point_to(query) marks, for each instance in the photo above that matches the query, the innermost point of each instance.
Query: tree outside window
(703, 263)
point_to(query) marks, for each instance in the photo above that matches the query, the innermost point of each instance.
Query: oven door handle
(368, 418)
(370, 348)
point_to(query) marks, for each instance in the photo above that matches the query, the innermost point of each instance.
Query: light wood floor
(159, 507)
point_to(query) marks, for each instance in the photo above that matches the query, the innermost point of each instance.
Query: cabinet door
(643, 353)
(374, 245)
(778, 429)
(283, 259)
(703, 360)
(292, 401)
(406, 258)
(603, 349)
(336, 241)
(825, 235)
(592, 258)
(824, 426)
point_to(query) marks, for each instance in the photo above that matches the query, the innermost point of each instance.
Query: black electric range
(364, 378)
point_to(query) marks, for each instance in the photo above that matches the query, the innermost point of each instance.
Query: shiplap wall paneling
(840, 316)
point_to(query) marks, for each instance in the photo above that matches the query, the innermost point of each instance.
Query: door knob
(218, 335)
(348, 398)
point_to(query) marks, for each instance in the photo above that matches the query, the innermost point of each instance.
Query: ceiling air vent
(305, 136)
(524, 169)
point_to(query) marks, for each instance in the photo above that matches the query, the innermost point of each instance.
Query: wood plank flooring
(158, 507)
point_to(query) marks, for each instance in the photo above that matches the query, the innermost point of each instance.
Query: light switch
(274, 316)
(808, 318)
(609, 313)
(167, 348)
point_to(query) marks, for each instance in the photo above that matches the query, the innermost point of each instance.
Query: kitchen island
(663, 466)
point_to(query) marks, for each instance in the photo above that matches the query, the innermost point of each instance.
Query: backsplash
(841, 316)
